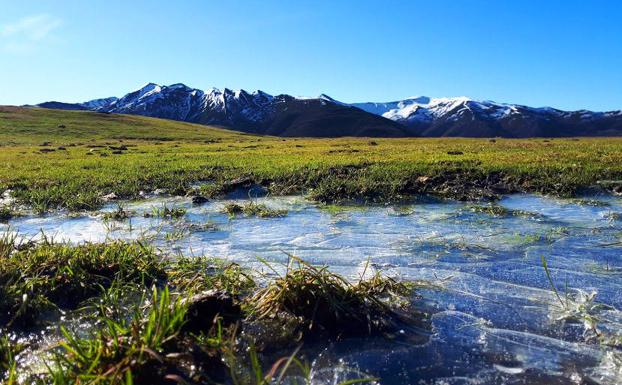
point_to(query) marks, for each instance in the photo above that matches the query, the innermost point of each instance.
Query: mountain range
(285, 115)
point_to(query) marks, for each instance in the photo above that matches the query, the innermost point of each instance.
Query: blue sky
(565, 54)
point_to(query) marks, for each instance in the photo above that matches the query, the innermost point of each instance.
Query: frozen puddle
(495, 319)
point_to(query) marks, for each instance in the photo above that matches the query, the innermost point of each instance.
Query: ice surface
(495, 320)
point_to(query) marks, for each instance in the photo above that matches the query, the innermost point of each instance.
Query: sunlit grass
(78, 178)
(151, 321)
(252, 209)
(59, 276)
(326, 302)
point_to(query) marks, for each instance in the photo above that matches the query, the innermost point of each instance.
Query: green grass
(324, 302)
(173, 156)
(7, 213)
(123, 351)
(199, 274)
(118, 214)
(500, 211)
(59, 276)
(152, 348)
(144, 319)
(8, 350)
(166, 212)
(37, 126)
(252, 209)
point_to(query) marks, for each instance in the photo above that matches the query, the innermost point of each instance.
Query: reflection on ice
(496, 320)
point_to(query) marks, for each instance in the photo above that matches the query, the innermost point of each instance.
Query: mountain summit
(285, 115)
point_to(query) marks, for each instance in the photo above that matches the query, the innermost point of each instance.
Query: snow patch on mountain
(260, 112)
(96, 104)
(426, 109)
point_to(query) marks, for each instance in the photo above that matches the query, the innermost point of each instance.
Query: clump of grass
(66, 196)
(124, 351)
(493, 210)
(212, 190)
(152, 347)
(119, 214)
(325, 302)
(201, 273)
(52, 276)
(496, 210)
(8, 244)
(340, 209)
(233, 209)
(252, 209)
(166, 212)
(199, 227)
(172, 335)
(590, 202)
(401, 211)
(177, 234)
(7, 213)
(521, 239)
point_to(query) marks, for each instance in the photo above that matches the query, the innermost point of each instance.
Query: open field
(71, 159)
(176, 290)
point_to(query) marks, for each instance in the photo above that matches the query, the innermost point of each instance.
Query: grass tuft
(52, 276)
(166, 212)
(7, 213)
(252, 209)
(200, 274)
(123, 350)
(326, 302)
(119, 214)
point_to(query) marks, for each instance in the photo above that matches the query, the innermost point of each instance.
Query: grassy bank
(71, 159)
(122, 313)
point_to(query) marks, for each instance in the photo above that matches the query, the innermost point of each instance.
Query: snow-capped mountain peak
(260, 112)
(149, 88)
(419, 99)
(96, 104)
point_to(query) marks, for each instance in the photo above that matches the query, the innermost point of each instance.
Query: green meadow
(52, 159)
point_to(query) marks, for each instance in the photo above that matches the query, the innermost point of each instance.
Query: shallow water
(495, 318)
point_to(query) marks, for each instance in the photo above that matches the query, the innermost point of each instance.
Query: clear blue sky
(565, 54)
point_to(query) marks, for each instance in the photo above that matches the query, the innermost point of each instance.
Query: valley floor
(53, 159)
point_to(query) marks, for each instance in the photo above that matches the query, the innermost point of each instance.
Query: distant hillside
(21, 125)
(285, 115)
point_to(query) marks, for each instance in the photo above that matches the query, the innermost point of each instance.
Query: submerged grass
(118, 214)
(166, 212)
(253, 209)
(578, 306)
(496, 210)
